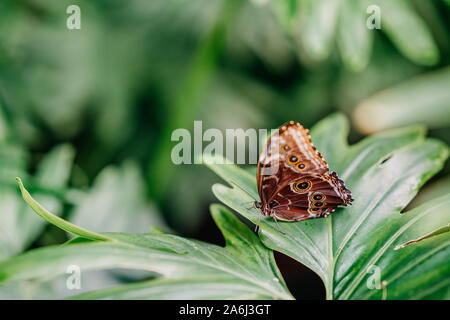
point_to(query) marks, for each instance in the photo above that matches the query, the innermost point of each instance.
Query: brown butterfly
(293, 179)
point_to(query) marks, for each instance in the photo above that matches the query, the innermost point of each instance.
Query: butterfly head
(266, 209)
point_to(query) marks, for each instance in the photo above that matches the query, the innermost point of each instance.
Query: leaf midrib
(366, 213)
(331, 261)
(375, 203)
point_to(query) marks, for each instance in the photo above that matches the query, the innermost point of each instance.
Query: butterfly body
(294, 182)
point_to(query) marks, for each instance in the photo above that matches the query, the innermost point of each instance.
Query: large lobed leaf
(189, 269)
(348, 248)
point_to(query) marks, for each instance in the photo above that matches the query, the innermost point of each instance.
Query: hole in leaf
(302, 282)
(385, 159)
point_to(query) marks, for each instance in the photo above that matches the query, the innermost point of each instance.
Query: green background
(86, 115)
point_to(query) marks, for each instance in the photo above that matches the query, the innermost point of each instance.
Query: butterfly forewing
(293, 179)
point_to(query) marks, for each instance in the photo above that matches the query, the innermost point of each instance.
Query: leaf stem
(57, 221)
(330, 268)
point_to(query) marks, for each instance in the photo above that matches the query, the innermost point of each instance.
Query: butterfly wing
(294, 214)
(288, 154)
(298, 152)
(293, 178)
(311, 196)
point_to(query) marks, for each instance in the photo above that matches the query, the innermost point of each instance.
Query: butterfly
(294, 182)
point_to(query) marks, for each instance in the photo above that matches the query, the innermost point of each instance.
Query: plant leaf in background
(422, 99)
(353, 37)
(384, 172)
(321, 22)
(317, 25)
(87, 88)
(407, 31)
(18, 226)
(117, 203)
(244, 269)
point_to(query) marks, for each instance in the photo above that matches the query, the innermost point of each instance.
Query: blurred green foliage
(100, 103)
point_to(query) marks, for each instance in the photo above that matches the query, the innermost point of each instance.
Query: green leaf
(19, 227)
(422, 99)
(384, 172)
(318, 20)
(408, 31)
(57, 221)
(4, 126)
(321, 23)
(118, 199)
(286, 10)
(243, 269)
(354, 39)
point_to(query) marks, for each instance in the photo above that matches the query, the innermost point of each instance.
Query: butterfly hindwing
(294, 214)
(313, 194)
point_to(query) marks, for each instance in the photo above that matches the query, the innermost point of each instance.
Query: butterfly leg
(278, 226)
(250, 208)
